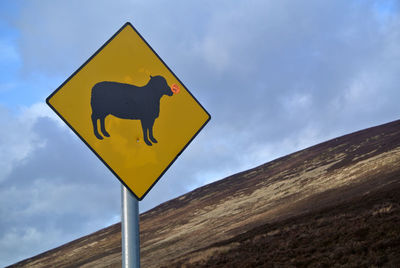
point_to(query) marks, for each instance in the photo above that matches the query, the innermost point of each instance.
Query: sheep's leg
(145, 127)
(103, 127)
(96, 133)
(151, 132)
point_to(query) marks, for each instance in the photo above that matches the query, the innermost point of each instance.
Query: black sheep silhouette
(129, 102)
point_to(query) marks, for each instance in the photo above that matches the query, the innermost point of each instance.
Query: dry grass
(335, 203)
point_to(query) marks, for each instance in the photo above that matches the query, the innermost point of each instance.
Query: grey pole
(130, 230)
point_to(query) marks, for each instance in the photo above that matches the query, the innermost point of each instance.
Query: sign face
(130, 109)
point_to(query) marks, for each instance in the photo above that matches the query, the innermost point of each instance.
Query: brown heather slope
(335, 203)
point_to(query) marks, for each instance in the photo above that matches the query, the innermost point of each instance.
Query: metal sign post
(130, 230)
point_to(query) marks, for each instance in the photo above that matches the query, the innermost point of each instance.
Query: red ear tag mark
(175, 89)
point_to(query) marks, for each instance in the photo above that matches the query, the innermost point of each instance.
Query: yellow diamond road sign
(130, 109)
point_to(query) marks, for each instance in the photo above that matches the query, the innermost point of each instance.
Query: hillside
(337, 202)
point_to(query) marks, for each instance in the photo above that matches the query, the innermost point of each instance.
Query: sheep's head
(159, 84)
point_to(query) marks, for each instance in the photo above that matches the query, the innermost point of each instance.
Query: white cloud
(15, 143)
(216, 54)
(52, 188)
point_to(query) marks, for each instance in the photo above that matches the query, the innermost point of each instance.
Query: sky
(276, 77)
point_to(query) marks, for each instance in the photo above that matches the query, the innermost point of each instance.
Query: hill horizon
(333, 203)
